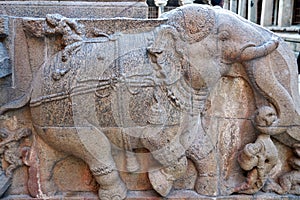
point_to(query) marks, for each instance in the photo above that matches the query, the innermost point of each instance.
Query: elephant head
(210, 40)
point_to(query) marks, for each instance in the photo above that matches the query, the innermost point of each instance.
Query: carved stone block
(200, 104)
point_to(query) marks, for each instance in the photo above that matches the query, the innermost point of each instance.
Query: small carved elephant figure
(260, 157)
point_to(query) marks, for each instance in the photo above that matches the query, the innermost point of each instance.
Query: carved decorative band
(100, 171)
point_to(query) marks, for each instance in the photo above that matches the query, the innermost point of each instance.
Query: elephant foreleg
(203, 155)
(166, 149)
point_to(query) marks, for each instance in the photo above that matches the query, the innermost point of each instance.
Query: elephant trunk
(253, 52)
(260, 71)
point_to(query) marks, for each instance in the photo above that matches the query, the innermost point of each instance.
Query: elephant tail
(17, 103)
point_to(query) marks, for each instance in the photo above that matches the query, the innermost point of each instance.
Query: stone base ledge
(75, 9)
(152, 195)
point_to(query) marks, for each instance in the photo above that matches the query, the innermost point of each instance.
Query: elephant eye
(270, 114)
(224, 35)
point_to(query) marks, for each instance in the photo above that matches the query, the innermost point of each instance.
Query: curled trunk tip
(253, 52)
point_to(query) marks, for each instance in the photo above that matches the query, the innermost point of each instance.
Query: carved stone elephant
(154, 97)
(218, 41)
(212, 40)
(84, 103)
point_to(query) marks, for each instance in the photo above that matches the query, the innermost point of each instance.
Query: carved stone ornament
(12, 150)
(5, 63)
(199, 104)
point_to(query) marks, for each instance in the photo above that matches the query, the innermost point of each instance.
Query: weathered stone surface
(75, 9)
(151, 195)
(5, 63)
(231, 129)
(198, 105)
(3, 26)
(4, 184)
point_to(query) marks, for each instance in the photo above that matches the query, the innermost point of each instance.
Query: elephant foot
(111, 185)
(160, 182)
(207, 185)
(116, 192)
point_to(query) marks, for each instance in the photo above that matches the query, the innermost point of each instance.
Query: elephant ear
(193, 22)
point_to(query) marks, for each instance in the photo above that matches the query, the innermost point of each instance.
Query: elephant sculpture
(154, 97)
(257, 49)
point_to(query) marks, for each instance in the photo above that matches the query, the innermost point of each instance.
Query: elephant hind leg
(92, 146)
(96, 152)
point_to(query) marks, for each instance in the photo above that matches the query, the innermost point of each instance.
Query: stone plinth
(151, 195)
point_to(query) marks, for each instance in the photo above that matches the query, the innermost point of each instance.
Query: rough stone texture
(200, 104)
(89, 9)
(3, 26)
(4, 62)
(151, 195)
(4, 184)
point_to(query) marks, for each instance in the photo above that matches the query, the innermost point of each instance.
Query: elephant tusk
(253, 52)
(154, 51)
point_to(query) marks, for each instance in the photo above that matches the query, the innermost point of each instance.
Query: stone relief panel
(198, 103)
